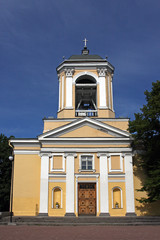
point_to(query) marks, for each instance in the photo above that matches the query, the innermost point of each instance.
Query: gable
(85, 128)
(86, 131)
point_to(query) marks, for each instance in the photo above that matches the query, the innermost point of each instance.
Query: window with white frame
(86, 162)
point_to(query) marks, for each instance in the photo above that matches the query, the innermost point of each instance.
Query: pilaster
(130, 205)
(70, 189)
(69, 74)
(102, 87)
(104, 200)
(43, 209)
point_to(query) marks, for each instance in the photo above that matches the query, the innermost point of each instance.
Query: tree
(5, 173)
(145, 130)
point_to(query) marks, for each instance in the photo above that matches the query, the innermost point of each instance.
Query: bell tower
(85, 86)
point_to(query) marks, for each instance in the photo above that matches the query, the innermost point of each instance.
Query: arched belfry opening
(86, 96)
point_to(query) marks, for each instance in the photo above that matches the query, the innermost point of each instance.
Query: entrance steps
(78, 221)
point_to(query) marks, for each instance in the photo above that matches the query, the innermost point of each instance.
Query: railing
(86, 113)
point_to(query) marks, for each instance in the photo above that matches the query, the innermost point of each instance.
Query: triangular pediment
(85, 128)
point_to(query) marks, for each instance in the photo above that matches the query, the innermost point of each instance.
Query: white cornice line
(88, 63)
(26, 152)
(60, 139)
(24, 141)
(107, 150)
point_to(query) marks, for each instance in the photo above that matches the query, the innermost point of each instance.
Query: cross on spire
(85, 42)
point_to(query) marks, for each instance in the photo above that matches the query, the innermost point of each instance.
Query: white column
(43, 209)
(59, 106)
(109, 97)
(62, 92)
(112, 93)
(104, 200)
(102, 87)
(130, 205)
(70, 203)
(69, 73)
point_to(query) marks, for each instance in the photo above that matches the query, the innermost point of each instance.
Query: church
(82, 163)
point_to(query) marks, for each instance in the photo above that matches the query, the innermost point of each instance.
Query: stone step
(83, 220)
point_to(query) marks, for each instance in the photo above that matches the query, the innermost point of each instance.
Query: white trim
(57, 175)
(99, 119)
(43, 208)
(84, 74)
(85, 64)
(26, 152)
(52, 163)
(116, 180)
(86, 175)
(121, 162)
(24, 141)
(94, 150)
(121, 196)
(61, 196)
(93, 162)
(57, 181)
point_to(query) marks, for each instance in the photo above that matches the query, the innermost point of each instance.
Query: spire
(85, 51)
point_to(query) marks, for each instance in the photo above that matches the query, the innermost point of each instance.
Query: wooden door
(87, 199)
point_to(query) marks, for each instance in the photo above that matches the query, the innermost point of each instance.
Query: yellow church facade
(82, 163)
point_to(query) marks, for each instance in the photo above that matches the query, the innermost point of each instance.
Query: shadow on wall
(142, 209)
(37, 210)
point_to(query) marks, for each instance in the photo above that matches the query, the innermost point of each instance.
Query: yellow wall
(86, 131)
(26, 190)
(142, 209)
(53, 211)
(114, 211)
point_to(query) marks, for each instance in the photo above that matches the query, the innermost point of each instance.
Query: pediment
(85, 128)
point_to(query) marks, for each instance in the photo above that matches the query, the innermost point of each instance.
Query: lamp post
(11, 158)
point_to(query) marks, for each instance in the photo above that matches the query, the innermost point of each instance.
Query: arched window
(117, 201)
(86, 96)
(57, 198)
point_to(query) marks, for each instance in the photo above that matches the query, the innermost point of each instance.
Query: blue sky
(36, 34)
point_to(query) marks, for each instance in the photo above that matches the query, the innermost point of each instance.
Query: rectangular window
(86, 162)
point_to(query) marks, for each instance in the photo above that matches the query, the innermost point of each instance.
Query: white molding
(116, 180)
(53, 196)
(57, 181)
(26, 152)
(44, 185)
(84, 74)
(57, 175)
(121, 196)
(52, 163)
(121, 162)
(99, 119)
(86, 175)
(85, 64)
(87, 149)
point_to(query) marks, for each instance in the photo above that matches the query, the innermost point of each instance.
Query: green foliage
(5, 173)
(145, 130)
